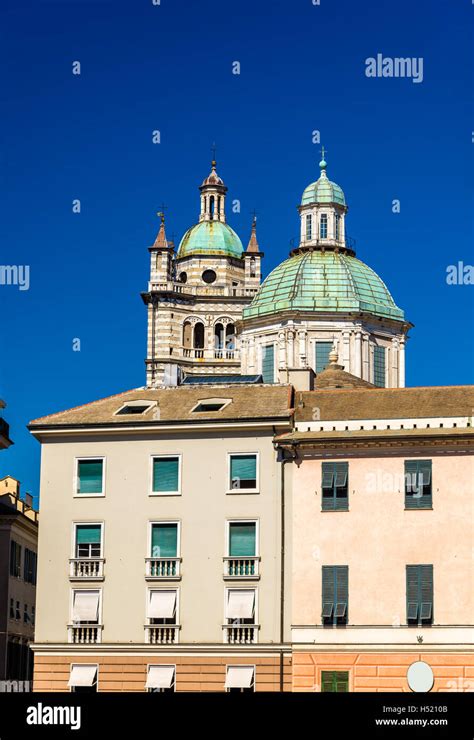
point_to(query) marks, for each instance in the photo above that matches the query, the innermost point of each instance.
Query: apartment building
(160, 550)
(382, 523)
(18, 547)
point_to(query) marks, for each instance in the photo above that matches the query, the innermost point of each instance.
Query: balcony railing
(176, 287)
(224, 354)
(241, 567)
(162, 634)
(240, 634)
(330, 242)
(162, 568)
(210, 354)
(91, 569)
(84, 634)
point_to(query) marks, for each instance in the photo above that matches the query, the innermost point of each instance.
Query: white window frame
(224, 401)
(242, 521)
(71, 688)
(241, 588)
(71, 605)
(180, 464)
(77, 460)
(262, 347)
(87, 524)
(165, 665)
(136, 402)
(148, 590)
(242, 665)
(240, 491)
(178, 540)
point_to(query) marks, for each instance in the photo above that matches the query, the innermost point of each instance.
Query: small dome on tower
(323, 190)
(213, 178)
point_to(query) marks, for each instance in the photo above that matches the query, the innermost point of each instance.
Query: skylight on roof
(211, 404)
(134, 408)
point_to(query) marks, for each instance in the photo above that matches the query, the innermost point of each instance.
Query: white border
(74, 525)
(77, 460)
(228, 480)
(151, 492)
(164, 521)
(242, 521)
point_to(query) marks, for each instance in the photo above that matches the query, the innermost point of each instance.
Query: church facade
(208, 312)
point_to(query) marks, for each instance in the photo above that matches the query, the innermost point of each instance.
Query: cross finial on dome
(213, 150)
(323, 163)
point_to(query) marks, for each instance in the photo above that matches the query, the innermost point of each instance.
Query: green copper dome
(323, 282)
(323, 190)
(210, 237)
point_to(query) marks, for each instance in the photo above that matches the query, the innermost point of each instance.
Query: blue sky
(168, 67)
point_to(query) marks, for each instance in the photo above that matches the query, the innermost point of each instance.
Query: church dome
(323, 190)
(210, 238)
(323, 281)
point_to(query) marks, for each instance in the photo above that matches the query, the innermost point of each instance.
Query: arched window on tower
(253, 267)
(212, 207)
(309, 227)
(323, 226)
(199, 335)
(187, 335)
(336, 226)
(218, 336)
(218, 206)
(230, 336)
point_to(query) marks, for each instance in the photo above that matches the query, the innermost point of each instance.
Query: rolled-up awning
(239, 676)
(82, 675)
(160, 677)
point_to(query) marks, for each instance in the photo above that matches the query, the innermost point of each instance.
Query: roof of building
(218, 379)
(334, 377)
(326, 281)
(385, 403)
(169, 405)
(323, 190)
(210, 238)
(364, 436)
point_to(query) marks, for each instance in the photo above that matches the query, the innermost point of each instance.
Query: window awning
(86, 606)
(160, 677)
(162, 604)
(239, 676)
(82, 675)
(240, 604)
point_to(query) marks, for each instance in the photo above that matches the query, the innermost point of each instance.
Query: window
(183, 278)
(83, 678)
(219, 336)
(336, 226)
(243, 472)
(309, 227)
(17, 610)
(240, 678)
(335, 681)
(335, 588)
(88, 541)
(211, 404)
(240, 606)
(26, 617)
(15, 559)
(323, 226)
(33, 615)
(29, 566)
(418, 484)
(161, 678)
(12, 609)
(253, 267)
(137, 407)
(322, 350)
(379, 366)
(85, 607)
(334, 485)
(268, 363)
(198, 335)
(230, 337)
(164, 540)
(90, 476)
(162, 607)
(419, 595)
(209, 276)
(242, 539)
(166, 474)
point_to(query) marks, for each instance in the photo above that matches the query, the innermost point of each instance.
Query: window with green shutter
(335, 594)
(322, 350)
(164, 540)
(419, 594)
(268, 363)
(418, 484)
(242, 539)
(379, 366)
(243, 471)
(335, 486)
(335, 681)
(90, 475)
(166, 474)
(88, 540)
